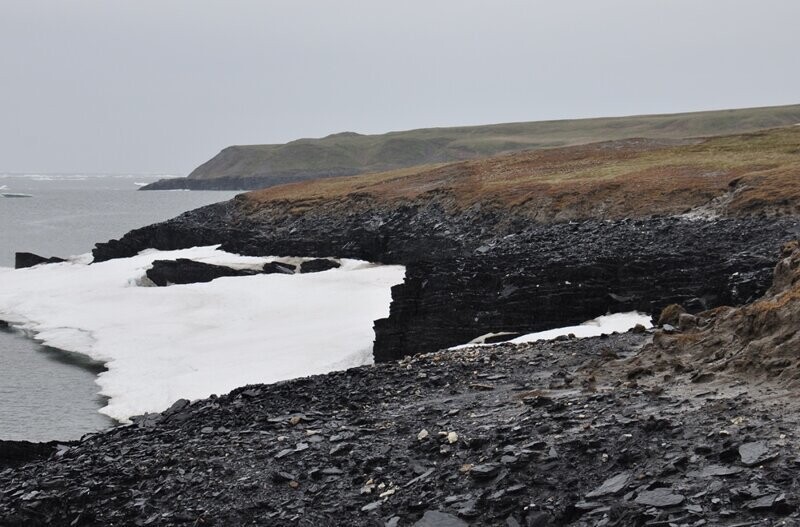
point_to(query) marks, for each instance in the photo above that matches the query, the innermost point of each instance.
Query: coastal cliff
(689, 423)
(686, 425)
(529, 241)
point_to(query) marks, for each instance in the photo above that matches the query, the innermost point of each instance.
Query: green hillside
(259, 166)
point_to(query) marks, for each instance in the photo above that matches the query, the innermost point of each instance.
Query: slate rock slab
(714, 470)
(662, 497)
(440, 519)
(611, 486)
(486, 471)
(754, 453)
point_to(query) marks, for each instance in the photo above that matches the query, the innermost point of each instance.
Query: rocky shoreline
(622, 430)
(505, 435)
(482, 271)
(684, 425)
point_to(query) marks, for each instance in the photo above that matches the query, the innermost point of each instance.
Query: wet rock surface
(485, 271)
(516, 435)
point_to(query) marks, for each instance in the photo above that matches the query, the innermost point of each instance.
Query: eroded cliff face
(533, 240)
(482, 271)
(756, 342)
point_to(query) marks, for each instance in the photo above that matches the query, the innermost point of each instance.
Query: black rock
(486, 471)
(660, 497)
(611, 486)
(22, 260)
(774, 502)
(646, 263)
(753, 453)
(440, 519)
(714, 470)
(185, 271)
(278, 267)
(317, 265)
(283, 477)
(15, 453)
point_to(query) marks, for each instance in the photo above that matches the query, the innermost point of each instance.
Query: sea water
(47, 394)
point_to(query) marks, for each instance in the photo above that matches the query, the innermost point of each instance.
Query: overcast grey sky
(162, 85)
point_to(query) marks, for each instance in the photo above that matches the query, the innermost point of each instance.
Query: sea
(48, 394)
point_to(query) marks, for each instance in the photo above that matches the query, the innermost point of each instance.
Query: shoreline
(49, 421)
(689, 424)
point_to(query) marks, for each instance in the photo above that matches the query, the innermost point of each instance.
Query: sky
(155, 86)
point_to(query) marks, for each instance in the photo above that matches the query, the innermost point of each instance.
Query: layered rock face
(532, 240)
(481, 271)
(566, 274)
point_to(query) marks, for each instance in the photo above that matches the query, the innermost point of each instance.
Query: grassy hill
(753, 173)
(259, 166)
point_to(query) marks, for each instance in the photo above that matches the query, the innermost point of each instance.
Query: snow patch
(619, 322)
(189, 341)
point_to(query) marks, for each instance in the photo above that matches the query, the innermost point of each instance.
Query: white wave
(164, 343)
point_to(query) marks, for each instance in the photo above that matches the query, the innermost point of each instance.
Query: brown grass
(607, 180)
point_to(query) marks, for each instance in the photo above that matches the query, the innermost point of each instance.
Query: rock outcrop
(318, 265)
(533, 240)
(23, 260)
(757, 341)
(185, 271)
(279, 267)
(481, 272)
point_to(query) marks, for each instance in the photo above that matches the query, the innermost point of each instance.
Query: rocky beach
(691, 423)
(613, 430)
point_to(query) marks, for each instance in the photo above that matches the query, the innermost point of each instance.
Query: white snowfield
(161, 344)
(606, 324)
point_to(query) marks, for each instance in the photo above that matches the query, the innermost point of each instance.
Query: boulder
(278, 267)
(185, 271)
(318, 264)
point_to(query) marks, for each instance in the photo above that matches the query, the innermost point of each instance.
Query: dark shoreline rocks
(504, 435)
(484, 270)
(17, 453)
(499, 436)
